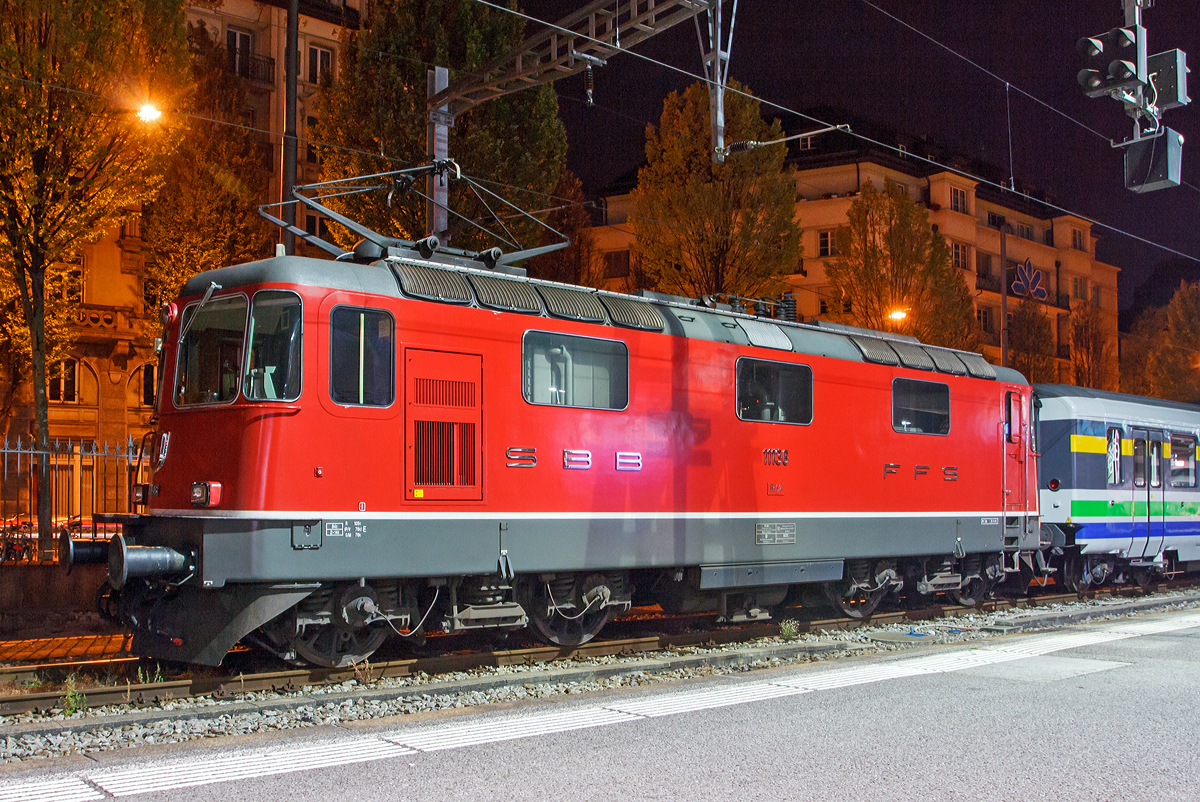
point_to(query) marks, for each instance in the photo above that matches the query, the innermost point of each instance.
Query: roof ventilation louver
(947, 361)
(572, 304)
(431, 283)
(505, 294)
(876, 350)
(766, 335)
(977, 366)
(633, 314)
(912, 356)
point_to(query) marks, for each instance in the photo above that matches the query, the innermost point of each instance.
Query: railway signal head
(1113, 61)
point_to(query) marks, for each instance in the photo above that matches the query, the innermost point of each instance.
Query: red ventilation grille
(444, 454)
(444, 393)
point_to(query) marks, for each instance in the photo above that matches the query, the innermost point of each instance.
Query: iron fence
(86, 480)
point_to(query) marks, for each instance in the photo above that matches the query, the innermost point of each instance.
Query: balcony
(989, 283)
(252, 66)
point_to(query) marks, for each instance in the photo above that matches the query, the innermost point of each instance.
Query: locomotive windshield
(273, 364)
(210, 355)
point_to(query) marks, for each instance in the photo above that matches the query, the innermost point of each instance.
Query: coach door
(1014, 455)
(443, 417)
(1148, 511)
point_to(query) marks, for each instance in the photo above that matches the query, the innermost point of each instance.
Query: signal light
(1054, 485)
(206, 494)
(1113, 62)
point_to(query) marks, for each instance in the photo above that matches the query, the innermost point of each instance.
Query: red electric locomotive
(413, 439)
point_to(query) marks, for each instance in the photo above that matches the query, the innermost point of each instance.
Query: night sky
(808, 54)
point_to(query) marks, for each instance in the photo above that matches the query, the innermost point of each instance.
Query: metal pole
(1003, 296)
(437, 219)
(291, 66)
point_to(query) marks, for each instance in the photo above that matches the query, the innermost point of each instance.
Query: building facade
(104, 393)
(1049, 250)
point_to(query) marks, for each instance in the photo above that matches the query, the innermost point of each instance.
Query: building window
(149, 386)
(995, 220)
(1114, 457)
(806, 142)
(316, 226)
(824, 307)
(1183, 460)
(1048, 237)
(1079, 288)
(826, 243)
(131, 228)
(1024, 231)
(774, 391)
(61, 385)
(983, 263)
(959, 255)
(984, 315)
(320, 64)
(920, 407)
(363, 357)
(238, 46)
(65, 282)
(1077, 240)
(616, 264)
(563, 370)
(958, 200)
(1096, 295)
(310, 147)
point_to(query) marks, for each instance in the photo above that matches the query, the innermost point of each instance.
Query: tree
(1143, 338)
(713, 229)
(73, 155)
(1089, 348)
(1173, 365)
(1031, 342)
(579, 263)
(895, 272)
(206, 215)
(16, 356)
(376, 105)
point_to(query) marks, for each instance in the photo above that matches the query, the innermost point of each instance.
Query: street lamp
(148, 113)
(898, 314)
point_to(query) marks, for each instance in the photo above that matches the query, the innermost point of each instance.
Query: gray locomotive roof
(1070, 391)
(679, 316)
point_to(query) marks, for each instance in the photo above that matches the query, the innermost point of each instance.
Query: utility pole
(437, 219)
(716, 70)
(291, 66)
(1004, 227)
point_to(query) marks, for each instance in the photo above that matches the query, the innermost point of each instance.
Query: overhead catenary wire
(864, 137)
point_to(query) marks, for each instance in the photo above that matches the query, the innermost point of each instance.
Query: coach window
(1114, 456)
(774, 391)
(1139, 462)
(273, 363)
(563, 370)
(210, 353)
(1183, 460)
(362, 356)
(920, 407)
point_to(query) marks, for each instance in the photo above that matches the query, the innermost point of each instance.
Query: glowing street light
(899, 314)
(148, 114)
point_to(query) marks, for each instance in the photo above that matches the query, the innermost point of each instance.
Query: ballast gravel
(51, 734)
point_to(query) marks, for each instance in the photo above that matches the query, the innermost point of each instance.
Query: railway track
(227, 686)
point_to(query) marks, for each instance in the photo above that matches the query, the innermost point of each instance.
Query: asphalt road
(1096, 712)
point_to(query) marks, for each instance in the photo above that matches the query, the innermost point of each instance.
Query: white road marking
(188, 774)
(166, 775)
(70, 789)
(455, 736)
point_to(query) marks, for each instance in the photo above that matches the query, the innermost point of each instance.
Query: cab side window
(776, 392)
(362, 357)
(920, 407)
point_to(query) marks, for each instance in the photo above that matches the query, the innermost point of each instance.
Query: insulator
(589, 83)
(741, 147)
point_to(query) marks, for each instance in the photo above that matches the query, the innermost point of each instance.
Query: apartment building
(104, 393)
(1052, 250)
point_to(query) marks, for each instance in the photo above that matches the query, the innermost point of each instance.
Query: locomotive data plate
(989, 521)
(345, 528)
(774, 534)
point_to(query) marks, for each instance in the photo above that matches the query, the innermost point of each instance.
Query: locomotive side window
(1183, 460)
(1012, 417)
(273, 364)
(920, 407)
(1114, 457)
(210, 354)
(362, 355)
(563, 370)
(774, 391)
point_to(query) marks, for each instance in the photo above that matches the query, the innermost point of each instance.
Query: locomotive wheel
(858, 603)
(976, 590)
(572, 626)
(331, 646)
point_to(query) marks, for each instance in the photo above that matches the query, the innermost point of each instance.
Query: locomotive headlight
(206, 494)
(1054, 484)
